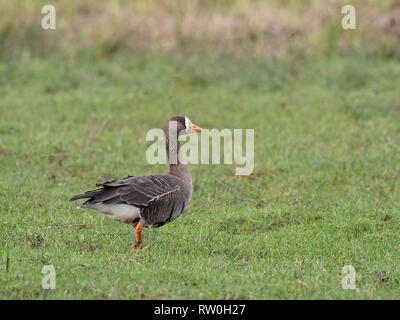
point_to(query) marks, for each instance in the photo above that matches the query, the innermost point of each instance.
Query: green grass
(324, 192)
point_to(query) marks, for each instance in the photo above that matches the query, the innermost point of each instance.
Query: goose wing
(138, 191)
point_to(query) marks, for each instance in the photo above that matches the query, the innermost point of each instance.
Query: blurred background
(324, 103)
(217, 27)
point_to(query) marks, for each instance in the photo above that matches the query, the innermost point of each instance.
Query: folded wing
(137, 191)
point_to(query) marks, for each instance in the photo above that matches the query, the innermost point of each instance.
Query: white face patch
(187, 123)
(187, 126)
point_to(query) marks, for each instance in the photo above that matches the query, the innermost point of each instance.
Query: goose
(149, 201)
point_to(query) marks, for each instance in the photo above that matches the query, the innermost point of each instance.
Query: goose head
(183, 125)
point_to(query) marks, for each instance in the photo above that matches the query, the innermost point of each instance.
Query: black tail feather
(85, 195)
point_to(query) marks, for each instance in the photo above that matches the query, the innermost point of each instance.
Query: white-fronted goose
(152, 200)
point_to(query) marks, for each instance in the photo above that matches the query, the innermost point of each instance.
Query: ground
(324, 192)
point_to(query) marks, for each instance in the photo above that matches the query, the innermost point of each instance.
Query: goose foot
(137, 245)
(138, 237)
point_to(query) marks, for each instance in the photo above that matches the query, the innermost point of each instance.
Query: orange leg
(138, 237)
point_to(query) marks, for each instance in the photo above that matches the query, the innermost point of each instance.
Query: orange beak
(193, 127)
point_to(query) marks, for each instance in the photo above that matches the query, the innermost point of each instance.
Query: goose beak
(193, 127)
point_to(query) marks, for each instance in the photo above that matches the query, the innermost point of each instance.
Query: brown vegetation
(236, 27)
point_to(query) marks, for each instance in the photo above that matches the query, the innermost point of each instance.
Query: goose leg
(138, 236)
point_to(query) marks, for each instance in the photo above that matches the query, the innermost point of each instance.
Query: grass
(324, 192)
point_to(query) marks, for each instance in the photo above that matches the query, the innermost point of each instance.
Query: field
(324, 192)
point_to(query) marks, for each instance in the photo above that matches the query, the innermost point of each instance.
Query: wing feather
(139, 191)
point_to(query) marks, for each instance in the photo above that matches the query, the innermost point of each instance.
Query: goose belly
(121, 212)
